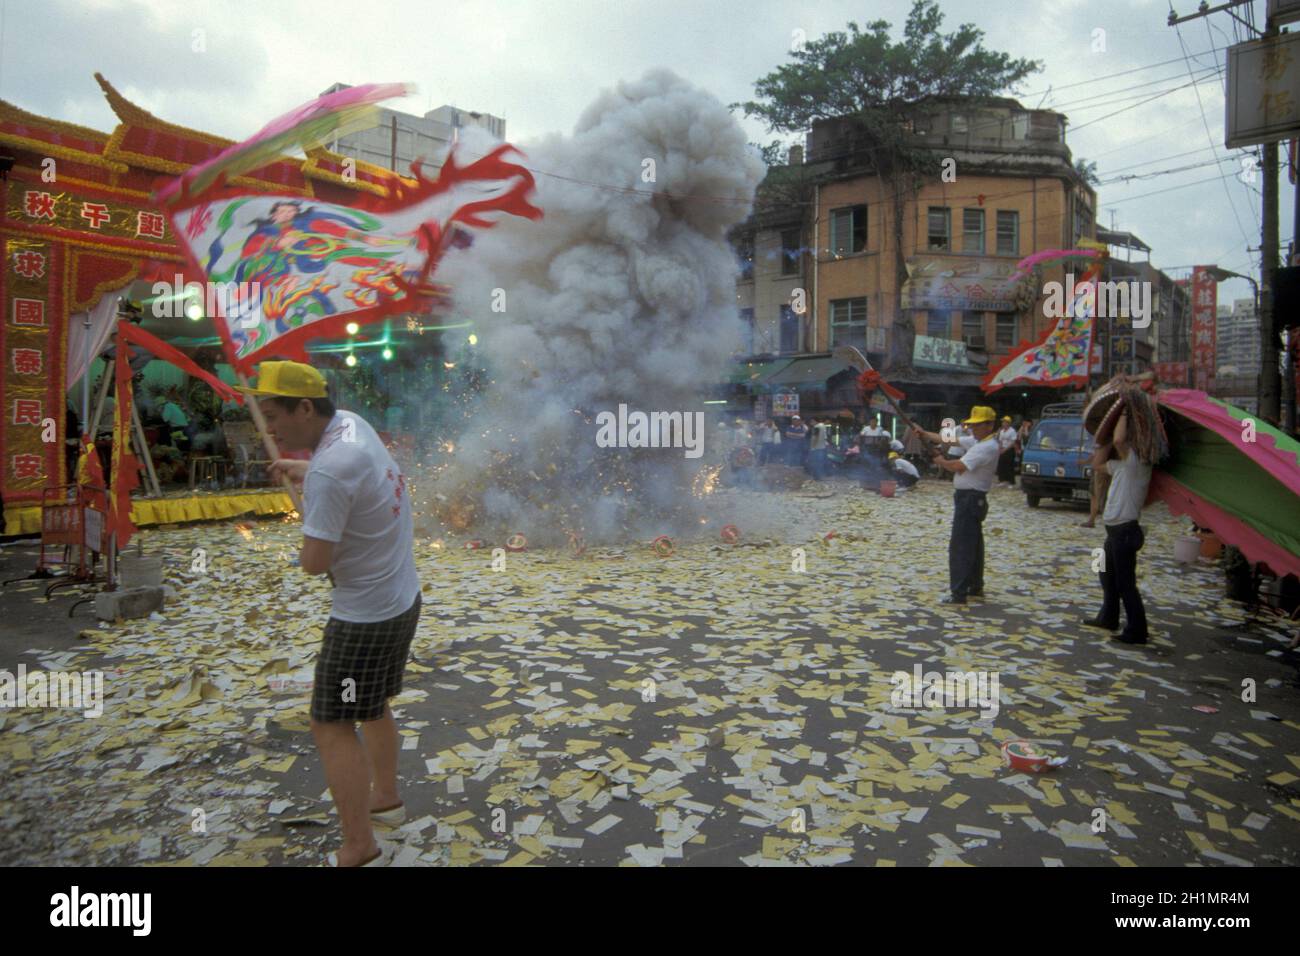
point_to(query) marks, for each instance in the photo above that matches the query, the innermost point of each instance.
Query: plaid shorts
(371, 655)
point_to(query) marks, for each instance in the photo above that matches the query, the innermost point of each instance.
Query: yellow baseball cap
(1006, 418)
(290, 379)
(981, 413)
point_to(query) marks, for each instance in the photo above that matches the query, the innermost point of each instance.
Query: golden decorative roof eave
(132, 115)
(9, 113)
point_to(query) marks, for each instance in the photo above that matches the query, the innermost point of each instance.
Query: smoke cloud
(623, 293)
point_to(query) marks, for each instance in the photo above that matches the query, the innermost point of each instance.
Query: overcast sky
(539, 64)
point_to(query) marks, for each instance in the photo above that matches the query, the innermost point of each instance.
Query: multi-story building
(1131, 348)
(1237, 354)
(400, 138)
(921, 285)
(1237, 343)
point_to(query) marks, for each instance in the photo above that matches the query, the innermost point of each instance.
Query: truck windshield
(1067, 436)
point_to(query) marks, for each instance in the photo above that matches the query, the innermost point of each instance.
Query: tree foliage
(865, 75)
(1087, 171)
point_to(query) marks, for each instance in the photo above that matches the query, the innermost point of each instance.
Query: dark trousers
(966, 546)
(817, 463)
(1007, 466)
(1119, 579)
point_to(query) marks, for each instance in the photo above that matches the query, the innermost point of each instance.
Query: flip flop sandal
(390, 817)
(382, 858)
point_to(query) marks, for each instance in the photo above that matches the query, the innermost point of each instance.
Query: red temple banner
(1205, 293)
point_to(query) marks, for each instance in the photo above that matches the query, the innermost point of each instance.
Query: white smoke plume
(623, 293)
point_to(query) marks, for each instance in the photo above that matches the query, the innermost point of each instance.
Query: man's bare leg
(381, 747)
(347, 771)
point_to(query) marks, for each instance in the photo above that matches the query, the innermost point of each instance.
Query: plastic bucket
(1187, 549)
(887, 489)
(134, 571)
(1211, 546)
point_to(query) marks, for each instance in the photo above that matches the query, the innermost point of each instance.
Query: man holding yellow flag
(973, 476)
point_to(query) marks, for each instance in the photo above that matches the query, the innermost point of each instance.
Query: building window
(745, 253)
(1082, 219)
(849, 322)
(848, 230)
(940, 230)
(790, 252)
(972, 231)
(959, 123)
(1006, 330)
(747, 336)
(1020, 125)
(937, 324)
(972, 327)
(789, 329)
(1008, 233)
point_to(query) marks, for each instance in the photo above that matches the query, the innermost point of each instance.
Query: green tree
(1087, 171)
(875, 83)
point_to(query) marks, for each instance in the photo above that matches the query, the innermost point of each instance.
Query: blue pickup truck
(1056, 462)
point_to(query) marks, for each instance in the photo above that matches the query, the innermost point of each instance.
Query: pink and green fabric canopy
(1247, 491)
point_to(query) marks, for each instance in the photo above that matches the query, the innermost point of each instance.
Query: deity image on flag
(284, 269)
(1063, 355)
(287, 263)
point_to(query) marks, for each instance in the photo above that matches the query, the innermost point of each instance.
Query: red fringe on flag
(870, 380)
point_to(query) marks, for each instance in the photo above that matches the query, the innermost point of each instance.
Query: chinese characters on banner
(1171, 374)
(1121, 346)
(34, 206)
(1204, 315)
(25, 344)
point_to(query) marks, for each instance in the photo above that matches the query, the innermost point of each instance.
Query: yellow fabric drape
(27, 520)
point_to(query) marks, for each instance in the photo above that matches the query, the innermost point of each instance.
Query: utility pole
(1270, 380)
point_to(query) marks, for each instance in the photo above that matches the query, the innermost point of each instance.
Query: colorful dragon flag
(1063, 355)
(287, 269)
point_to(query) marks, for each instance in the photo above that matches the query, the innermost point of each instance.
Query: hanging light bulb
(473, 339)
(351, 360)
(353, 328)
(387, 353)
(194, 311)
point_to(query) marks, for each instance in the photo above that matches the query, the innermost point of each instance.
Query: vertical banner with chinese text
(1204, 316)
(31, 349)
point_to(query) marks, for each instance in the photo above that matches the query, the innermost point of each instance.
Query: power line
(1151, 162)
(1165, 172)
(1110, 76)
(1201, 106)
(1199, 182)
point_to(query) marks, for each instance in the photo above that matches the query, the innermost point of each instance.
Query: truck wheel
(1033, 500)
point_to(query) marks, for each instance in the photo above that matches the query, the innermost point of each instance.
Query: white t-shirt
(1007, 438)
(355, 496)
(819, 433)
(871, 431)
(1128, 489)
(906, 467)
(981, 461)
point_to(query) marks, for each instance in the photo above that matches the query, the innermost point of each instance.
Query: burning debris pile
(623, 294)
